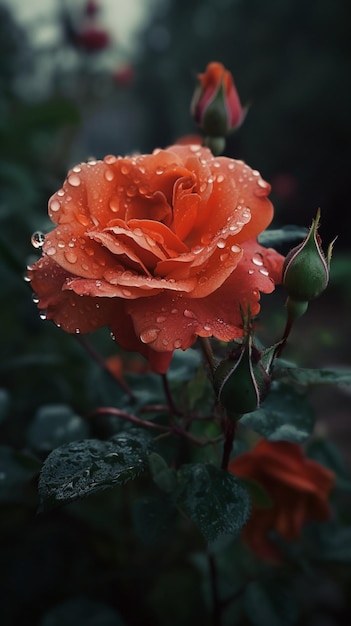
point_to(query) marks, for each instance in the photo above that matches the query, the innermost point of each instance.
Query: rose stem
(169, 397)
(207, 352)
(229, 434)
(101, 362)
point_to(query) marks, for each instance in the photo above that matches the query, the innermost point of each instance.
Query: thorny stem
(229, 434)
(101, 362)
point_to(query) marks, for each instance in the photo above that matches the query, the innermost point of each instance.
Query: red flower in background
(216, 105)
(160, 247)
(92, 39)
(298, 487)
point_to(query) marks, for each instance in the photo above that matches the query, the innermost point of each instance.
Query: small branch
(171, 404)
(206, 348)
(83, 342)
(166, 430)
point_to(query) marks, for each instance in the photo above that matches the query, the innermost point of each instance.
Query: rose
(298, 487)
(159, 247)
(216, 106)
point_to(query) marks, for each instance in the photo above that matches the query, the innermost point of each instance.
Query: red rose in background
(298, 487)
(161, 247)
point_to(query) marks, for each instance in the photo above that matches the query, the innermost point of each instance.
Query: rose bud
(305, 269)
(216, 106)
(242, 381)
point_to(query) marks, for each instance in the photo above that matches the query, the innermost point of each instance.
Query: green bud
(305, 269)
(242, 380)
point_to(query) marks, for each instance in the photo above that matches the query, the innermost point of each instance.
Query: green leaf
(311, 377)
(278, 236)
(285, 415)
(81, 468)
(270, 603)
(163, 475)
(215, 500)
(55, 425)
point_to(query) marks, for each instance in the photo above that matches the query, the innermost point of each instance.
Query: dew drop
(174, 311)
(143, 189)
(51, 251)
(126, 292)
(221, 243)
(125, 170)
(189, 314)
(149, 334)
(55, 205)
(160, 170)
(220, 178)
(138, 232)
(235, 248)
(160, 319)
(203, 280)
(207, 327)
(194, 148)
(83, 219)
(42, 315)
(109, 175)
(177, 343)
(38, 239)
(114, 205)
(264, 272)
(251, 272)
(74, 180)
(231, 166)
(131, 191)
(257, 259)
(109, 159)
(61, 193)
(165, 342)
(203, 187)
(77, 331)
(70, 256)
(35, 299)
(197, 249)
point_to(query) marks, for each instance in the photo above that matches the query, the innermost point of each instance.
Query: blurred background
(83, 79)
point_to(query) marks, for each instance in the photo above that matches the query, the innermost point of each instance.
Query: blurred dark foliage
(291, 63)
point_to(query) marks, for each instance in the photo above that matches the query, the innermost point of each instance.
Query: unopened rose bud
(242, 381)
(216, 106)
(306, 269)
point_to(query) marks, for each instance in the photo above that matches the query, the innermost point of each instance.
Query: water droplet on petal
(83, 219)
(160, 319)
(149, 334)
(174, 311)
(160, 170)
(207, 327)
(220, 178)
(177, 343)
(221, 243)
(61, 192)
(190, 314)
(264, 272)
(126, 292)
(250, 272)
(203, 280)
(51, 251)
(74, 180)
(70, 256)
(235, 248)
(55, 205)
(197, 249)
(42, 315)
(257, 259)
(38, 239)
(109, 175)
(109, 159)
(125, 170)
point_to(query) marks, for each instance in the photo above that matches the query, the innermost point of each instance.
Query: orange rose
(298, 487)
(159, 247)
